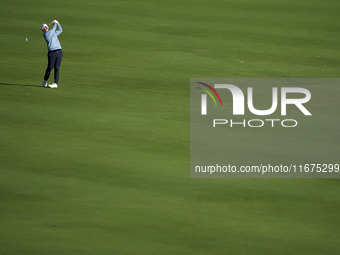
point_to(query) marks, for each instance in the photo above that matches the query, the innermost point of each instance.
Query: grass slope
(101, 164)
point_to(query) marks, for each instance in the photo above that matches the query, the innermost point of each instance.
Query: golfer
(54, 52)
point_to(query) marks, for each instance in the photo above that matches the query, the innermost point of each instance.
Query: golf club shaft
(36, 32)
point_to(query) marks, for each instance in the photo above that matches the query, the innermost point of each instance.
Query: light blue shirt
(51, 37)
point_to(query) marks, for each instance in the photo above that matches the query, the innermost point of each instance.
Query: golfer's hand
(54, 22)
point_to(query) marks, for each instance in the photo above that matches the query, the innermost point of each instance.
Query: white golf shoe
(53, 86)
(45, 83)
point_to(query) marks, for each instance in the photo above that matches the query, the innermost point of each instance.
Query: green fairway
(101, 164)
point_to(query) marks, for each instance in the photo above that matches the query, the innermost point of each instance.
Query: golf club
(35, 32)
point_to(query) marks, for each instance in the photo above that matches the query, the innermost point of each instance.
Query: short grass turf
(101, 164)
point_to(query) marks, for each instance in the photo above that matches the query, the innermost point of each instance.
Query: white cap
(43, 26)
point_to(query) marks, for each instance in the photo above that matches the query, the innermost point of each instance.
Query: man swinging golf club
(54, 52)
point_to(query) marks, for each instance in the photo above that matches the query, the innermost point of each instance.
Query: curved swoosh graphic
(213, 90)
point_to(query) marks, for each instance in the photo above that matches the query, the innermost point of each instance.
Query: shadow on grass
(21, 85)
